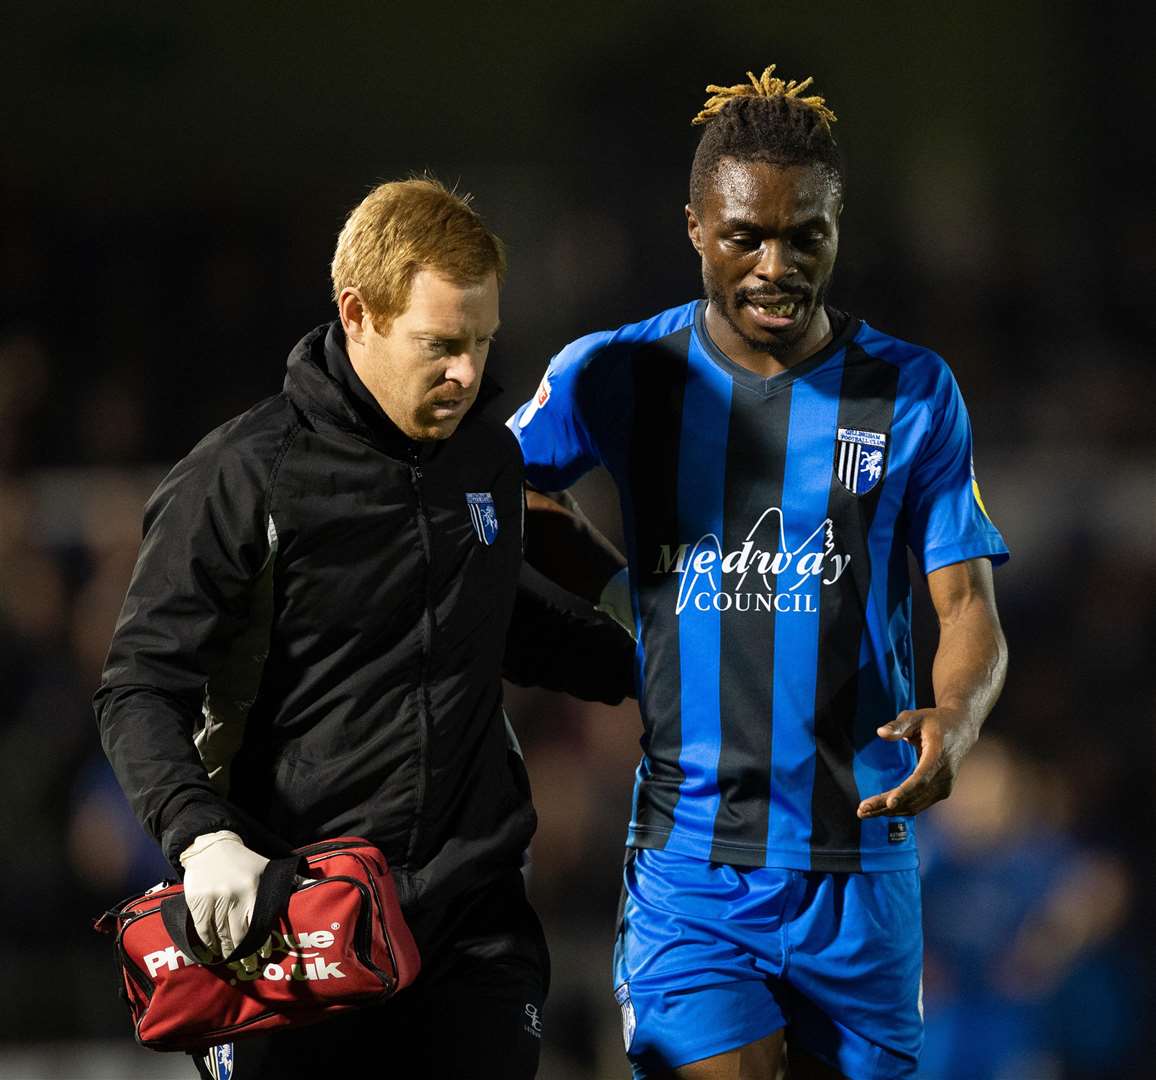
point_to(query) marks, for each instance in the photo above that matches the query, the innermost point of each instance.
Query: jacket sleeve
(588, 656)
(205, 540)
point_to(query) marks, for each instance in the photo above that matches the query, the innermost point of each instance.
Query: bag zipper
(372, 885)
(363, 932)
(146, 985)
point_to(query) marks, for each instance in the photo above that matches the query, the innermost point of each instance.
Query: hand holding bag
(339, 941)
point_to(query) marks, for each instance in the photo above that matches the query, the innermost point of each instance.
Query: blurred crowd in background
(174, 186)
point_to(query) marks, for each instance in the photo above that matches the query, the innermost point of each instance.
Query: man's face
(425, 370)
(768, 236)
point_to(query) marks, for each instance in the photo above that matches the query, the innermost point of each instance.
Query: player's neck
(767, 364)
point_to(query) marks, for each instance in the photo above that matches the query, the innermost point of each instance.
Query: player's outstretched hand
(942, 737)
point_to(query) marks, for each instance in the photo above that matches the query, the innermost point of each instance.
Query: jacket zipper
(427, 624)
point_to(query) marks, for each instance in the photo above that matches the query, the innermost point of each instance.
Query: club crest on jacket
(483, 515)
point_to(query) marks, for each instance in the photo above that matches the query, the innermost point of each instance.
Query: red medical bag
(339, 942)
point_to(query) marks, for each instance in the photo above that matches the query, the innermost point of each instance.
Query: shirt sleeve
(948, 520)
(551, 427)
(204, 542)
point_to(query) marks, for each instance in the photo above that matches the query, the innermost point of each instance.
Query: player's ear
(693, 229)
(354, 317)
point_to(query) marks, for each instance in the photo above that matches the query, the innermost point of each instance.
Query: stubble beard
(434, 430)
(771, 346)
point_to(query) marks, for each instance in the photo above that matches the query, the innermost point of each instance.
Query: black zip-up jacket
(313, 640)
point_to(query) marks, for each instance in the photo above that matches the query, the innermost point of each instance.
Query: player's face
(426, 369)
(768, 236)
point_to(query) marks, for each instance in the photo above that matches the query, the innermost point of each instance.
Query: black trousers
(475, 1009)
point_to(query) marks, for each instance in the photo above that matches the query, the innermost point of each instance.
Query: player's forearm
(563, 545)
(971, 660)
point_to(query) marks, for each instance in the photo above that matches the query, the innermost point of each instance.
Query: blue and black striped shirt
(767, 523)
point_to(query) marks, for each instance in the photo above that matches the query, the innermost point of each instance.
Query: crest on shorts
(859, 459)
(483, 515)
(629, 1022)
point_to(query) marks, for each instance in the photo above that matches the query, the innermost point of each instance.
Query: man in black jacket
(313, 642)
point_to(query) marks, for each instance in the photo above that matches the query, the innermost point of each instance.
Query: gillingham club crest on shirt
(859, 459)
(483, 515)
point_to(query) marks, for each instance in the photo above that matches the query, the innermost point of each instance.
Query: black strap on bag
(273, 891)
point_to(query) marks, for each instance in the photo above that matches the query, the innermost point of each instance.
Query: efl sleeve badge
(541, 396)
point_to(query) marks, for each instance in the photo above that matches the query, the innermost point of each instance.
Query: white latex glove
(615, 600)
(221, 877)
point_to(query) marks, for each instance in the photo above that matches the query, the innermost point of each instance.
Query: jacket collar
(320, 380)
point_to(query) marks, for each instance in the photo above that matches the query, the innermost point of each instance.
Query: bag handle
(274, 888)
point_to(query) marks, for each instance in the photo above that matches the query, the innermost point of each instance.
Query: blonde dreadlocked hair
(765, 119)
(765, 86)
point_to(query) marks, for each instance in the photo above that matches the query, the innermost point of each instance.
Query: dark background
(173, 183)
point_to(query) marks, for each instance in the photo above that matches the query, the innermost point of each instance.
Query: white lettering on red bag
(168, 958)
(309, 967)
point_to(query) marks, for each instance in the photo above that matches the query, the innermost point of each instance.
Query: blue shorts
(710, 957)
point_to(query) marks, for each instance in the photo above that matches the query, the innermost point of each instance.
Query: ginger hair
(405, 226)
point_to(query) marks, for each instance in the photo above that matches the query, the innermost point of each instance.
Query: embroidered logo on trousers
(219, 1061)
